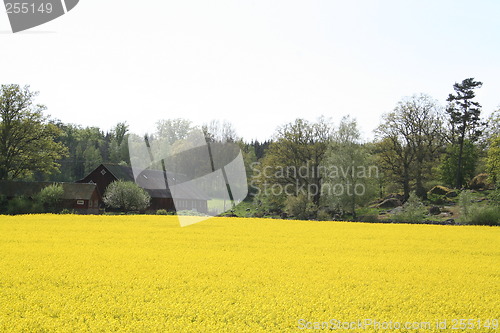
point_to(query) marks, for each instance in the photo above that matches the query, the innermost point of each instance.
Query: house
(82, 198)
(155, 182)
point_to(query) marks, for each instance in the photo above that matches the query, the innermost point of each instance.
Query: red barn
(153, 181)
(81, 198)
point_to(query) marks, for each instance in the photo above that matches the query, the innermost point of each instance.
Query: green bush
(475, 214)
(161, 212)
(50, 197)
(412, 211)
(300, 207)
(23, 205)
(495, 195)
(3, 204)
(368, 218)
(480, 215)
(465, 200)
(436, 199)
(324, 216)
(67, 211)
(126, 196)
(272, 204)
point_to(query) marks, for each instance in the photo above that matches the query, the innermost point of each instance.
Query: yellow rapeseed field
(71, 273)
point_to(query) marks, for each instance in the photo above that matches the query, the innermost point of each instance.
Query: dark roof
(121, 172)
(153, 181)
(72, 191)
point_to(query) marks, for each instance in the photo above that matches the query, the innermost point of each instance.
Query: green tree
(493, 159)
(293, 159)
(449, 163)
(91, 159)
(464, 117)
(492, 128)
(89, 150)
(126, 196)
(409, 141)
(348, 181)
(27, 139)
(173, 130)
(118, 145)
(217, 131)
(300, 207)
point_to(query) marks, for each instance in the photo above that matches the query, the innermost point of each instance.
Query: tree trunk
(458, 177)
(317, 195)
(419, 186)
(353, 206)
(406, 183)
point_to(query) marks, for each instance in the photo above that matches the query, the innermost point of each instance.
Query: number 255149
(28, 8)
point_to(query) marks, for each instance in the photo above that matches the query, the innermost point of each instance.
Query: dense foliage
(126, 196)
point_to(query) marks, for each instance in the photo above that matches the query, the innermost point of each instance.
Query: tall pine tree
(464, 120)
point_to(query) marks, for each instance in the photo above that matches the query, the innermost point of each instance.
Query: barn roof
(153, 181)
(11, 188)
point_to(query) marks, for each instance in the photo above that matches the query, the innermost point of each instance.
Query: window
(80, 202)
(103, 172)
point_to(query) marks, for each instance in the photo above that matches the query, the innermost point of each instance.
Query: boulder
(396, 210)
(452, 194)
(450, 222)
(480, 182)
(389, 203)
(439, 190)
(398, 196)
(434, 210)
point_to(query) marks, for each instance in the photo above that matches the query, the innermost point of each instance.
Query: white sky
(257, 64)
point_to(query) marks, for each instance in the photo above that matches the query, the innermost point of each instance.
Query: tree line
(307, 167)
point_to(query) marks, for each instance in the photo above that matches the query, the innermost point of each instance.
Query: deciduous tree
(293, 159)
(409, 139)
(27, 139)
(350, 179)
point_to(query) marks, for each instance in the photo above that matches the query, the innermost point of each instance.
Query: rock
(452, 194)
(450, 221)
(396, 210)
(434, 210)
(376, 202)
(480, 182)
(398, 196)
(439, 190)
(389, 203)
